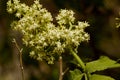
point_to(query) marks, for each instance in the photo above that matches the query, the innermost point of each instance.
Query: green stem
(78, 59)
(86, 78)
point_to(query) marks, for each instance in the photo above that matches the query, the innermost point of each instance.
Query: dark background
(104, 39)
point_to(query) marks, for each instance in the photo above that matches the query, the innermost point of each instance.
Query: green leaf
(101, 64)
(100, 77)
(76, 75)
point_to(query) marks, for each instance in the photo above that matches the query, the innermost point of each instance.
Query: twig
(65, 71)
(61, 68)
(20, 58)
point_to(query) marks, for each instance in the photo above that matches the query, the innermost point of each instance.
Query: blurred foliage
(105, 39)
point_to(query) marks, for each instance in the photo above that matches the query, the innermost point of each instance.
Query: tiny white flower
(45, 44)
(86, 35)
(32, 53)
(36, 1)
(18, 15)
(31, 43)
(10, 10)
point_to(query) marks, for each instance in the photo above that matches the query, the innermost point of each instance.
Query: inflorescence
(44, 38)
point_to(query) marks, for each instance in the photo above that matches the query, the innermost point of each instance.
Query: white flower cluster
(65, 17)
(39, 33)
(118, 21)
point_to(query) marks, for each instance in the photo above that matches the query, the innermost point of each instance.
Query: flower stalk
(78, 59)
